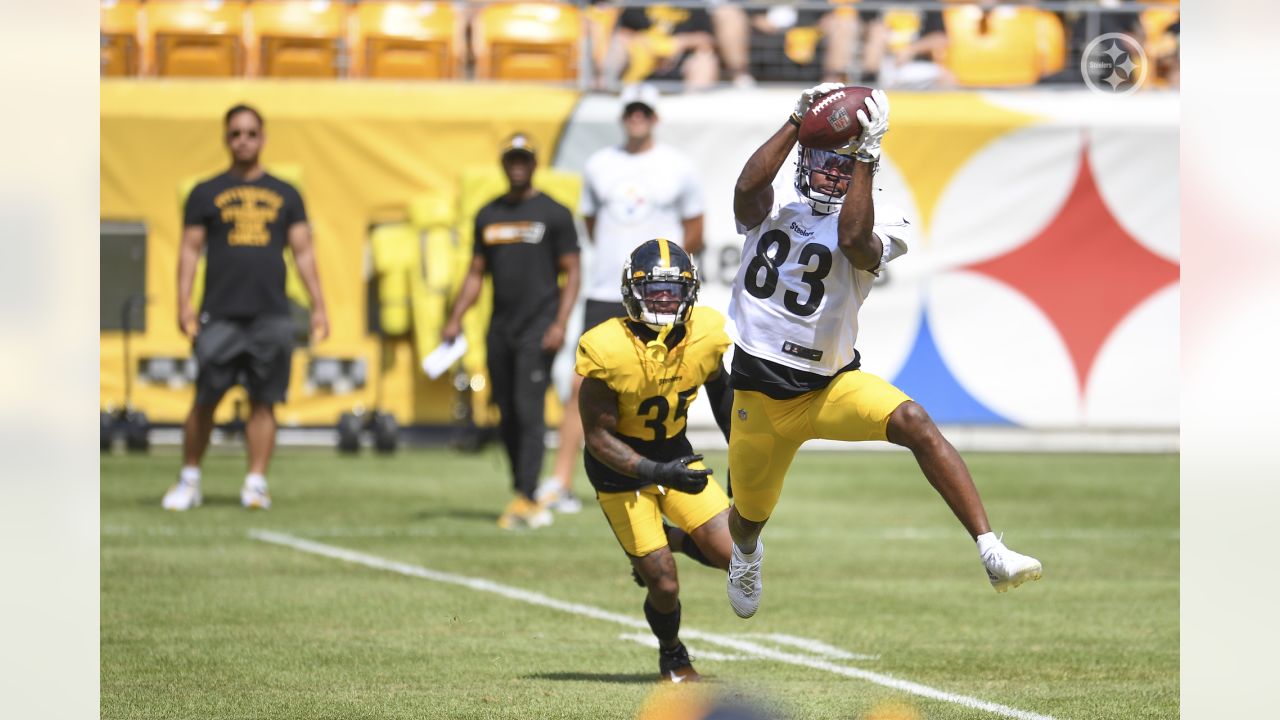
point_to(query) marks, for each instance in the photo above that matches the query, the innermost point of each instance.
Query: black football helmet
(659, 284)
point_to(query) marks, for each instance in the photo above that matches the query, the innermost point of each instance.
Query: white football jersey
(796, 297)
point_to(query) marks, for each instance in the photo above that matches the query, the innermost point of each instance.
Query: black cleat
(674, 665)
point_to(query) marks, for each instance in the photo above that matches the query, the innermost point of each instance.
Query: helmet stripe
(666, 252)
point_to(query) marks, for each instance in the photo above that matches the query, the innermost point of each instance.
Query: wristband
(794, 120)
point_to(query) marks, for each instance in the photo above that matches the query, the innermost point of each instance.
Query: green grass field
(200, 620)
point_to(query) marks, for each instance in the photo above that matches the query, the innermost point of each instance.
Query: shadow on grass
(650, 678)
(487, 516)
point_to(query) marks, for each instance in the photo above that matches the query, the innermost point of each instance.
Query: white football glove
(808, 96)
(875, 123)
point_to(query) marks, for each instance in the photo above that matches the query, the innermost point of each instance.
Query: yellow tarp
(365, 149)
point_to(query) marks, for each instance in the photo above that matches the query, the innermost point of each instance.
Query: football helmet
(834, 165)
(659, 284)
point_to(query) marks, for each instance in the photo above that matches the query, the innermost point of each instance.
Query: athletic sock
(665, 626)
(749, 557)
(190, 474)
(986, 541)
(257, 481)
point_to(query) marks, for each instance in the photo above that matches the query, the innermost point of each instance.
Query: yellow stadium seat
(194, 38)
(405, 40)
(1000, 50)
(119, 35)
(527, 41)
(904, 28)
(1051, 43)
(1155, 21)
(298, 38)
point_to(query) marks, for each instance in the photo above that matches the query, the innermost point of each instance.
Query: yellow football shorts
(767, 433)
(636, 515)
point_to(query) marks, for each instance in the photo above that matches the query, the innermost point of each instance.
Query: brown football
(832, 120)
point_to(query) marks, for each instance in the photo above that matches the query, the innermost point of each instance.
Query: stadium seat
(405, 40)
(1051, 43)
(193, 38)
(527, 41)
(903, 26)
(998, 50)
(119, 34)
(298, 38)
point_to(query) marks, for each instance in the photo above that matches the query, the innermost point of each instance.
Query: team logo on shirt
(629, 202)
(248, 209)
(508, 233)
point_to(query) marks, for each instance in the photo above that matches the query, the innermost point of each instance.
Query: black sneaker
(674, 665)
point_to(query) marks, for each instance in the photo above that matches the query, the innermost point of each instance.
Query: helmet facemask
(662, 299)
(835, 167)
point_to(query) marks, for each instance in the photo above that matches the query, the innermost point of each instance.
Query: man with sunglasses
(242, 220)
(809, 261)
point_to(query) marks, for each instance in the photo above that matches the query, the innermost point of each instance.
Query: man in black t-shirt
(242, 220)
(524, 240)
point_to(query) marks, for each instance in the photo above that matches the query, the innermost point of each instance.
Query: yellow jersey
(654, 392)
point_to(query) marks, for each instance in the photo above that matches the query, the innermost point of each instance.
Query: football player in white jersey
(808, 264)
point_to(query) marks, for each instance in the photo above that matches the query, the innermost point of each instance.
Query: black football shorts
(256, 353)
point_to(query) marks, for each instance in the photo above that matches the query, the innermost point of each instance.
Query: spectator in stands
(792, 45)
(663, 42)
(733, 38)
(242, 220)
(906, 55)
(524, 240)
(640, 189)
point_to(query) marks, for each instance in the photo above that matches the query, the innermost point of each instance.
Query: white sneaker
(1008, 569)
(255, 496)
(182, 496)
(567, 504)
(745, 584)
(539, 517)
(551, 494)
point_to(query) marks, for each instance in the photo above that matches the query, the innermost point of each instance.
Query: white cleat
(182, 497)
(1008, 569)
(745, 585)
(255, 496)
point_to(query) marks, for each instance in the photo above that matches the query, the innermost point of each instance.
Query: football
(832, 121)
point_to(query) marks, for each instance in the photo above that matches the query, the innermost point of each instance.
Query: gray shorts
(256, 353)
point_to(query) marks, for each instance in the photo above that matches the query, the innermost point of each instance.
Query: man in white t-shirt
(809, 259)
(631, 192)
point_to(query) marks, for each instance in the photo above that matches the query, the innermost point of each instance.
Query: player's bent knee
(911, 426)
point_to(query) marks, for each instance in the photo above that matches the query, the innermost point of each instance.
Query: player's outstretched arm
(857, 217)
(753, 193)
(598, 405)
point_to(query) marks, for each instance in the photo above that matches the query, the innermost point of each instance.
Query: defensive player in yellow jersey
(640, 375)
(809, 260)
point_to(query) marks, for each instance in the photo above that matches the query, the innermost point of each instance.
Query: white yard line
(742, 646)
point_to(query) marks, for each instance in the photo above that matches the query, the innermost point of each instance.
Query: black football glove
(675, 474)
